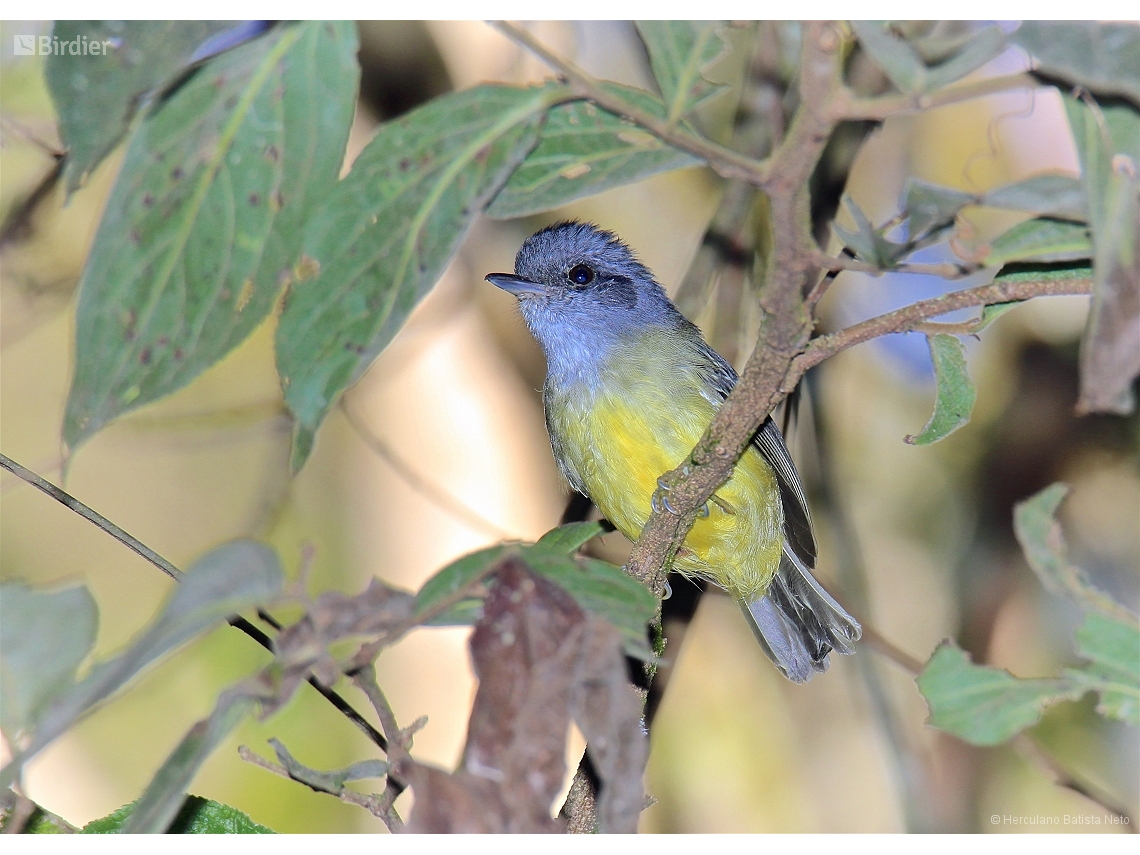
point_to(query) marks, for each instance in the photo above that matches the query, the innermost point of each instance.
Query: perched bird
(631, 386)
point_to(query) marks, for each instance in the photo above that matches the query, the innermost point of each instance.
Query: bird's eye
(580, 274)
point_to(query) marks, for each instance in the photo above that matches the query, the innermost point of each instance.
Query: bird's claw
(660, 500)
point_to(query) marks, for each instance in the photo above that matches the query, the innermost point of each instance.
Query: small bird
(631, 386)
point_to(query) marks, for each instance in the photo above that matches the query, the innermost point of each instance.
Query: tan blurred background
(441, 448)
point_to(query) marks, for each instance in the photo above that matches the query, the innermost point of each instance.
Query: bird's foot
(660, 500)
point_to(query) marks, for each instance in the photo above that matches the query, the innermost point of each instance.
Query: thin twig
(851, 107)
(399, 755)
(66, 499)
(724, 161)
(374, 803)
(944, 270)
(918, 314)
(888, 649)
(438, 496)
(1062, 777)
(136, 545)
(366, 654)
(1022, 743)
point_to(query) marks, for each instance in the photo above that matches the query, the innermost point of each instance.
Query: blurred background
(441, 448)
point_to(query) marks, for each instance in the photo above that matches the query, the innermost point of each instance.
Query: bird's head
(581, 287)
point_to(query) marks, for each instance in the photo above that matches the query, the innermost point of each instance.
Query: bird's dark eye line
(581, 274)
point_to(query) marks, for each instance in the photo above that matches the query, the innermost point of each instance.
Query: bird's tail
(798, 623)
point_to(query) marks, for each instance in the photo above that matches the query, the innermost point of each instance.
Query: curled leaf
(956, 391)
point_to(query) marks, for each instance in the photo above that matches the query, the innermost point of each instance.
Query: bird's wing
(719, 378)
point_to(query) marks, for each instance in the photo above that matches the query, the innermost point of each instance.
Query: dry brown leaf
(609, 714)
(539, 658)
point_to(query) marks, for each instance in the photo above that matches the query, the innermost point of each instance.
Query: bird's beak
(515, 284)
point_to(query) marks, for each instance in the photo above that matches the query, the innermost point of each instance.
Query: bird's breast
(639, 420)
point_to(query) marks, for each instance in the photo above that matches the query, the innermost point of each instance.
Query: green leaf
(44, 636)
(679, 53)
(327, 782)
(160, 802)
(584, 151)
(1043, 195)
(97, 95)
(994, 311)
(603, 589)
(980, 704)
(386, 232)
(1041, 240)
(956, 391)
(205, 218)
(1108, 142)
(867, 242)
(930, 207)
(1041, 539)
(457, 576)
(568, 539)
(897, 59)
(1104, 58)
(196, 816)
(595, 585)
(905, 67)
(232, 577)
(40, 823)
(1112, 647)
(985, 45)
(1042, 273)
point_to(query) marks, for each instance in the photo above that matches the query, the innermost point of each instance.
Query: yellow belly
(619, 446)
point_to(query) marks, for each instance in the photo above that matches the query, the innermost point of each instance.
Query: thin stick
(377, 805)
(918, 314)
(66, 499)
(438, 496)
(1062, 777)
(724, 161)
(177, 575)
(850, 106)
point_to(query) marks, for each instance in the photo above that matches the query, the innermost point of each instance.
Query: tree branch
(785, 325)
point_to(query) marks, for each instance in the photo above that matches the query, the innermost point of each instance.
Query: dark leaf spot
(272, 154)
(177, 353)
(254, 199)
(144, 356)
(148, 200)
(176, 173)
